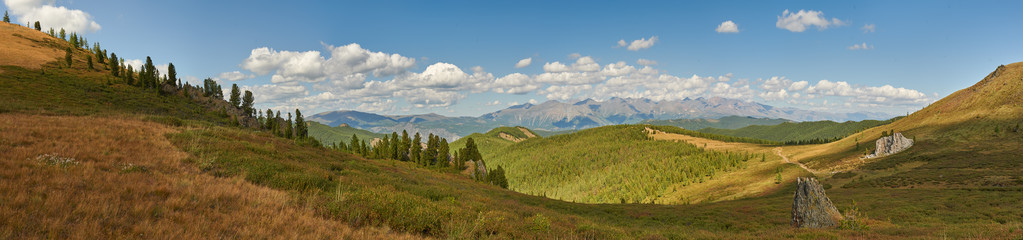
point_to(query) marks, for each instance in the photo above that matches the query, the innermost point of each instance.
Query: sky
(468, 58)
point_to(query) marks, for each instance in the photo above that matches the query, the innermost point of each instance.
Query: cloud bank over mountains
(351, 77)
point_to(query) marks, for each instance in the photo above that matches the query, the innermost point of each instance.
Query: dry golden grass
(756, 180)
(25, 47)
(130, 182)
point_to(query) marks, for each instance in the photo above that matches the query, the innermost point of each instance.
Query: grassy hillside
(729, 122)
(966, 140)
(491, 142)
(329, 135)
(796, 131)
(609, 165)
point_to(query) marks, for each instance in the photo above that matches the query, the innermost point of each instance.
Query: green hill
(329, 135)
(796, 131)
(728, 122)
(491, 142)
(581, 166)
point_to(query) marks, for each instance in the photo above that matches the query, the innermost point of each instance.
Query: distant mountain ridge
(558, 116)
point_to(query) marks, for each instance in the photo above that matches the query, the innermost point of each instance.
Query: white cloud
(494, 103)
(830, 88)
(234, 76)
(582, 64)
(646, 62)
(425, 97)
(775, 95)
(862, 46)
(515, 83)
(345, 62)
(800, 85)
(799, 21)
(352, 58)
(135, 64)
(51, 16)
(443, 76)
(524, 63)
(575, 56)
(564, 93)
(869, 28)
(727, 27)
(638, 44)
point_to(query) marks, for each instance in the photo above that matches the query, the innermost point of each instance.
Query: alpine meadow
(511, 120)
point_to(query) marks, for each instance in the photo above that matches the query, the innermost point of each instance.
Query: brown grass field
(121, 178)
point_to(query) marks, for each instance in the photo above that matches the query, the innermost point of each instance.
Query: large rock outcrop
(890, 145)
(811, 208)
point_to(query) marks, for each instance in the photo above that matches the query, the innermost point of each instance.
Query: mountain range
(558, 116)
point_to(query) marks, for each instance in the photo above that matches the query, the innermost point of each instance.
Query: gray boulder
(889, 145)
(811, 208)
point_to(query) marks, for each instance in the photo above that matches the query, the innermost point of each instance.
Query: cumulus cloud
(425, 97)
(345, 62)
(869, 28)
(52, 16)
(799, 21)
(862, 46)
(234, 76)
(646, 62)
(515, 83)
(727, 27)
(638, 44)
(524, 63)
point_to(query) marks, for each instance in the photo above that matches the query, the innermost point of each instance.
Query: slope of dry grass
(101, 178)
(25, 47)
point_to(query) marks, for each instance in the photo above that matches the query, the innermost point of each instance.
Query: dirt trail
(778, 152)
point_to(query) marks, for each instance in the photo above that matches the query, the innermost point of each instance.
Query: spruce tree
(269, 119)
(236, 96)
(416, 149)
(172, 74)
(39, 27)
(62, 34)
(406, 144)
(149, 70)
(355, 142)
(277, 124)
(114, 69)
(302, 130)
(247, 100)
(289, 131)
(88, 58)
(443, 153)
(7, 19)
(395, 142)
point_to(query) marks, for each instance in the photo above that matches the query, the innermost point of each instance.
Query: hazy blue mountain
(589, 113)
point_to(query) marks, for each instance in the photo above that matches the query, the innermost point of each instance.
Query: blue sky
(459, 57)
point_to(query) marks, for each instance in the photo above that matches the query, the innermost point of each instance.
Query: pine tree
(443, 153)
(301, 130)
(149, 70)
(172, 74)
(277, 124)
(62, 34)
(7, 19)
(416, 149)
(130, 76)
(114, 69)
(247, 103)
(406, 145)
(355, 142)
(269, 119)
(430, 153)
(39, 27)
(88, 58)
(67, 57)
(236, 96)
(289, 131)
(73, 40)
